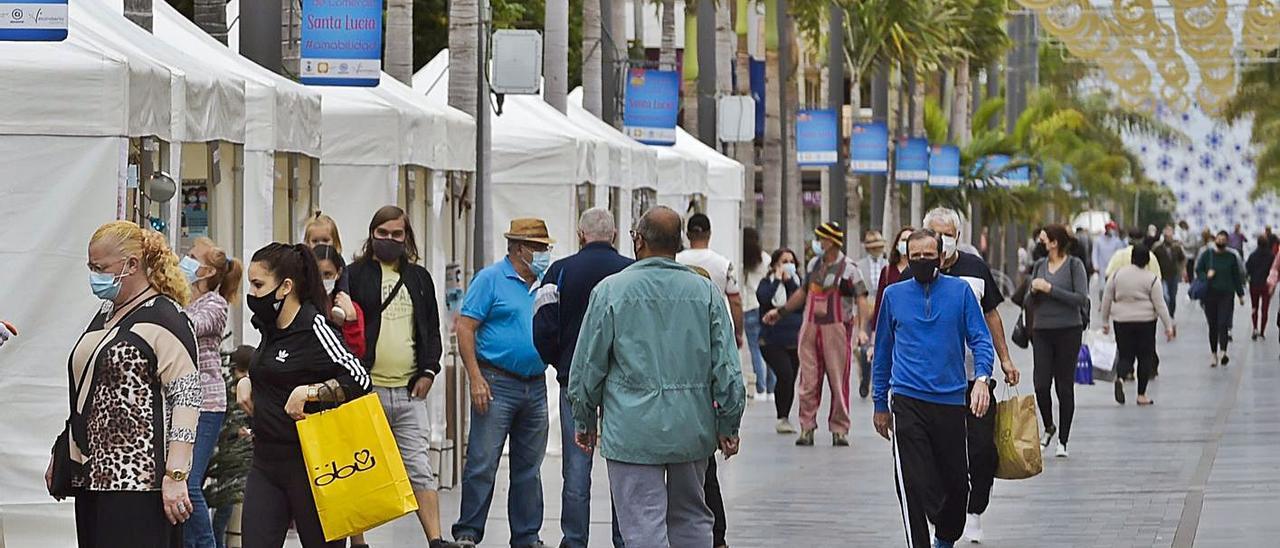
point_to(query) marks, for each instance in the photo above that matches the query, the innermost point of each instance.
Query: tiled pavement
(1200, 468)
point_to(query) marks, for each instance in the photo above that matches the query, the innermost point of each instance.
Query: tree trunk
(290, 37)
(592, 55)
(667, 57)
(793, 188)
(745, 152)
(139, 11)
(464, 19)
(399, 48)
(960, 131)
(917, 130)
(689, 70)
(555, 61)
(615, 41)
(771, 233)
(853, 192)
(892, 198)
(211, 16)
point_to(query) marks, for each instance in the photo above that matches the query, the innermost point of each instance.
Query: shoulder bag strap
(392, 295)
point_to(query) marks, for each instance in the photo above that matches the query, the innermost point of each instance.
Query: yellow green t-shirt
(394, 364)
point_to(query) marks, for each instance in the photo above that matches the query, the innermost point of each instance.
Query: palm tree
(555, 61)
(399, 48)
(667, 57)
(744, 152)
(592, 69)
(139, 11)
(211, 16)
(464, 23)
(290, 37)
(792, 187)
(689, 69)
(771, 231)
(1257, 95)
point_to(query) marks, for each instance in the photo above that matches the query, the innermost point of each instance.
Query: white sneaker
(973, 528)
(771, 397)
(1061, 452)
(784, 427)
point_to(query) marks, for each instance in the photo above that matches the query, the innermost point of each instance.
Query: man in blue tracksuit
(919, 385)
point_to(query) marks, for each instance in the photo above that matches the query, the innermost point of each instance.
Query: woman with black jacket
(402, 347)
(779, 341)
(300, 367)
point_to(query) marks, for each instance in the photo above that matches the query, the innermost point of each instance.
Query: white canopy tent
(637, 162)
(71, 108)
(283, 125)
(539, 159)
(722, 188)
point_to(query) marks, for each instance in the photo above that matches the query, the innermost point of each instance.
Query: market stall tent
(722, 189)
(638, 178)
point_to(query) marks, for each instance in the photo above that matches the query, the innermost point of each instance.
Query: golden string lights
(1114, 37)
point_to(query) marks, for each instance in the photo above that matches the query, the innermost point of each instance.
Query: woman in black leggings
(1221, 267)
(300, 367)
(778, 342)
(1059, 301)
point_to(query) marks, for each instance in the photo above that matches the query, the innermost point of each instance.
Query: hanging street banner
(33, 21)
(944, 166)
(816, 137)
(653, 103)
(994, 164)
(757, 93)
(341, 42)
(911, 160)
(869, 148)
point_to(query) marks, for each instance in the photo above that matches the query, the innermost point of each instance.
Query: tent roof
(533, 143)
(637, 163)
(447, 141)
(82, 86)
(724, 174)
(679, 173)
(208, 103)
(281, 114)
(361, 128)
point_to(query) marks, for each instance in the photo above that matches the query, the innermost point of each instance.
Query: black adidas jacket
(308, 351)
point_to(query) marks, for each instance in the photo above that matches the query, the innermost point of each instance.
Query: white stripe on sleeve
(339, 354)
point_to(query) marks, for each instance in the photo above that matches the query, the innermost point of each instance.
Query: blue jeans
(1171, 295)
(519, 410)
(197, 532)
(765, 379)
(575, 501)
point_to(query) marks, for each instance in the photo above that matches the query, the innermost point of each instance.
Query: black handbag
(65, 470)
(1020, 335)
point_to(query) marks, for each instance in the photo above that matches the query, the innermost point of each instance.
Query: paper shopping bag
(1018, 438)
(357, 477)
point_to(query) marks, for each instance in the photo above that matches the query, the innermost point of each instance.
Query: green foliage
(1258, 97)
(990, 109)
(935, 122)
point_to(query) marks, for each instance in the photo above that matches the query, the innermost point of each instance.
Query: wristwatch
(313, 393)
(178, 475)
(983, 379)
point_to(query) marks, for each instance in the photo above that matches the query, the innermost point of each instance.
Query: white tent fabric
(638, 164)
(207, 103)
(448, 142)
(82, 86)
(282, 115)
(722, 186)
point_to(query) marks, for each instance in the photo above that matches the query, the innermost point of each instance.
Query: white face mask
(329, 285)
(789, 269)
(817, 247)
(902, 248)
(949, 246)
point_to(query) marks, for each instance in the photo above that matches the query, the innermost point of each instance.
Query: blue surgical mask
(789, 269)
(541, 262)
(817, 247)
(105, 285)
(189, 267)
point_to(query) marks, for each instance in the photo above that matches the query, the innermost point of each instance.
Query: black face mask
(387, 250)
(1220, 245)
(1040, 251)
(925, 270)
(265, 308)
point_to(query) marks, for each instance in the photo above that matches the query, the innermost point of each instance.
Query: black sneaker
(863, 390)
(1047, 437)
(1119, 392)
(465, 542)
(1225, 359)
(442, 543)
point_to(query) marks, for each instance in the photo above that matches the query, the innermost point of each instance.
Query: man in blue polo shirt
(508, 387)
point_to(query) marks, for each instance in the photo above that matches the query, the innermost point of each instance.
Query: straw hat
(529, 229)
(873, 239)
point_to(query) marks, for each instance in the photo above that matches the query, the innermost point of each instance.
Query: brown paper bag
(1018, 438)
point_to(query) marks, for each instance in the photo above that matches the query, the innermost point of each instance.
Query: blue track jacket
(920, 341)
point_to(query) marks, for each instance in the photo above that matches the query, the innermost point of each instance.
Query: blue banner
(757, 93)
(995, 166)
(653, 103)
(341, 42)
(869, 148)
(944, 166)
(911, 160)
(33, 21)
(816, 137)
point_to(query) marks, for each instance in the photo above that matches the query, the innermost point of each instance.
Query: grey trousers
(661, 506)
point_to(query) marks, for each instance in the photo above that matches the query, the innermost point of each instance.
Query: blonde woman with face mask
(127, 451)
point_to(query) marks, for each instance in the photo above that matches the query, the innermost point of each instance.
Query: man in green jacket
(657, 358)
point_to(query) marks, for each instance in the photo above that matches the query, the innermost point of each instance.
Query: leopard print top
(144, 392)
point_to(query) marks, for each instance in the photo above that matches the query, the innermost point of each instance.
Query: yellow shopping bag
(356, 473)
(1018, 438)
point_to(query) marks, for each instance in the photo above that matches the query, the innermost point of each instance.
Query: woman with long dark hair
(1058, 298)
(755, 266)
(300, 367)
(779, 342)
(898, 264)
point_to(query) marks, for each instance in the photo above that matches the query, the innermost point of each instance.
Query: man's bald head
(659, 232)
